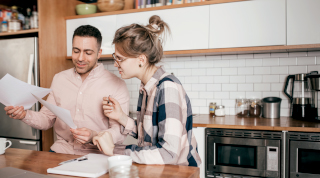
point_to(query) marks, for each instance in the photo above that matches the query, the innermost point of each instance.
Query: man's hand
(112, 109)
(15, 112)
(104, 142)
(83, 135)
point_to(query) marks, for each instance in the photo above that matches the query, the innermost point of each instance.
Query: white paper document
(95, 166)
(14, 92)
(62, 113)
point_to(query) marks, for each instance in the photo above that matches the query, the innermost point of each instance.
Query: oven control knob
(297, 175)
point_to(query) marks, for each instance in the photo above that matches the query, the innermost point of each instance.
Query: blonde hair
(134, 40)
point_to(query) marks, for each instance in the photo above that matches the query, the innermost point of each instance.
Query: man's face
(85, 54)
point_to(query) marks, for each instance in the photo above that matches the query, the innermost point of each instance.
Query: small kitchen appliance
(271, 107)
(303, 97)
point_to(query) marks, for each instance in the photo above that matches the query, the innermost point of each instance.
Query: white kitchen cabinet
(199, 133)
(248, 23)
(303, 22)
(189, 26)
(106, 25)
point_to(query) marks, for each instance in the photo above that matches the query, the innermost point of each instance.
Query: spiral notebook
(95, 166)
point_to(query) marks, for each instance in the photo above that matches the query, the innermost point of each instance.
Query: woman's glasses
(117, 59)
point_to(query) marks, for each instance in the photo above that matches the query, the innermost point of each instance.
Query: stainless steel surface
(315, 83)
(284, 154)
(300, 77)
(271, 109)
(15, 60)
(25, 144)
(302, 101)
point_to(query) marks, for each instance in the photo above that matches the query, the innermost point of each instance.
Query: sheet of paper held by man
(61, 113)
(14, 92)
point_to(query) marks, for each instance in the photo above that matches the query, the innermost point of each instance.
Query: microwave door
(304, 159)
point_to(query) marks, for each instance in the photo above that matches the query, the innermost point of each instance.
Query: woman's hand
(15, 112)
(104, 142)
(83, 135)
(112, 109)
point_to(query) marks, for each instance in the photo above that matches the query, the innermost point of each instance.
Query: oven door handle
(214, 153)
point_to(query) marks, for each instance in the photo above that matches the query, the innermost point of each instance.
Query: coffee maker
(304, 96)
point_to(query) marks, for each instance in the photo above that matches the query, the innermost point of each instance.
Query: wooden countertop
(250, 123)
(40, 161)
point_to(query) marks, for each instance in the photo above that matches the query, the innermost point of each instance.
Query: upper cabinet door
(106, 25)
(189, 26)
(248, 23)
(303, 22)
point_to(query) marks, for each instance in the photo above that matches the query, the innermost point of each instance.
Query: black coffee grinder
(304, 96)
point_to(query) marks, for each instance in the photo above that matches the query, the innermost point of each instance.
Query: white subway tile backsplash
(221, 63)
(230, 71)
(229, 87)
(237, 79)
(283, 78)
(195, 110)
(187, 87)
(314, 68)
(184, 72)
(172, 58)
(203, 110)
(221, 95)
(193, 94)
(253, 94)
(270, 79)
(261, 87)
(228, 103)
(235, 95)
(221, 79)
(199, 87)
(229, 56)
(297, 54)
(253, 62)
(253, 78)
(198, 102)
(279, 55)
(270, 62)
(279, 70)
(285, 112)
(270, 94)
(217, 101)
(245, 87)
(306, 60)
(197, 72)
(206, 95)
(214, 71)
(277, 87)
(135, 81)
(198, 58)
(193, 79)
(318, 59)
(206, 79)
(205, 64)
(245, 56)
(288, 61)
(213, 57)
(313, 53)
(245, 70)
(285, 104)
(261, 70)
(214, 87)
(133, 87)
(297, 69)
(238, 63)
(263, 55)
(191, 64)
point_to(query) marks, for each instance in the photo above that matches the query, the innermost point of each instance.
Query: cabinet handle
(28, 142)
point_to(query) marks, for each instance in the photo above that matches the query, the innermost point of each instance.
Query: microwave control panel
(272, 158)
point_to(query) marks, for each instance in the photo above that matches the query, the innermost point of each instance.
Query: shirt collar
(154, 80)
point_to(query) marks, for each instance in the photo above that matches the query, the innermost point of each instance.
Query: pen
(72, 160)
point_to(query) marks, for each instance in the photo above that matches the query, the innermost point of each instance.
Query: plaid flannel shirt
(164, 124)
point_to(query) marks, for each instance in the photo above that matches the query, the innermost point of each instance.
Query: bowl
(83, 9)
(119, 160)
(110, 5)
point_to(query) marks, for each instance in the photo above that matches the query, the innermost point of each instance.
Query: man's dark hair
(88, 31)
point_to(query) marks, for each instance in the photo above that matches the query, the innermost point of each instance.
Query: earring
(140, 65)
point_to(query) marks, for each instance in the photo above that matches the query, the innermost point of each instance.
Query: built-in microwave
(303, 150)
(243, 153)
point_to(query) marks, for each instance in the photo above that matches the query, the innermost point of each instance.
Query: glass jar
(4, 26)
(124, 171)
(212, 108)
(255, 107)
(220, 111)
(242, 107)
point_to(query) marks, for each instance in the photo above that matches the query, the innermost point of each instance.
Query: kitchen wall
(223, 78)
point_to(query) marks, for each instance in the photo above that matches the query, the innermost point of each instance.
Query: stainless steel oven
(304, 155)
(242, 153)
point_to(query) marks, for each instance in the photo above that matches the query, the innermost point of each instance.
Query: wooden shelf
(244, 50)
(151, 9)
(19, 32)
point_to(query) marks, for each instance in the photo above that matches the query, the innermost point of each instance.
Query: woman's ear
(142, 60)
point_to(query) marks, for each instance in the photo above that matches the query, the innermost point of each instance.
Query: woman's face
(127, 67)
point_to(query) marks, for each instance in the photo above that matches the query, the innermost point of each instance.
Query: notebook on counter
(95, 166)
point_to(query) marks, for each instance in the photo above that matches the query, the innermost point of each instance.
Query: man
(81, 90)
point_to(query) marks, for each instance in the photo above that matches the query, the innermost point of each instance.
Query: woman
(164, 117)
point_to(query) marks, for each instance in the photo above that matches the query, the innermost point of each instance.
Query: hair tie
(155, 26)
